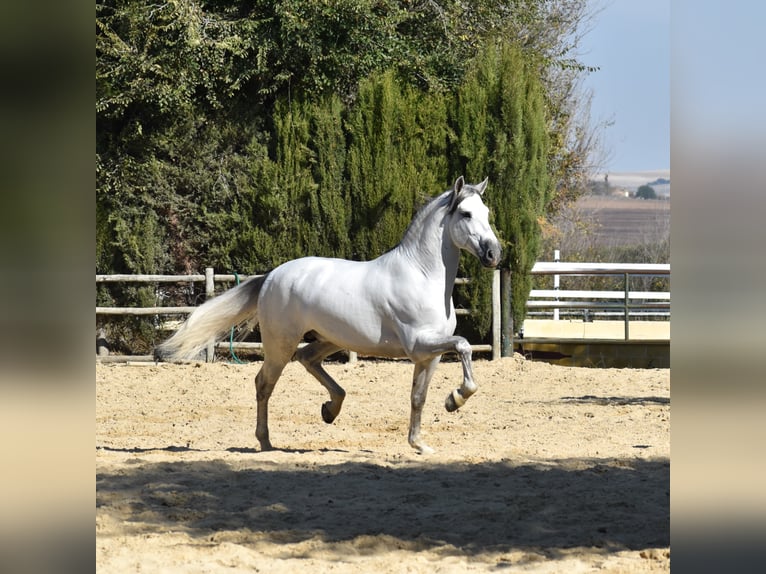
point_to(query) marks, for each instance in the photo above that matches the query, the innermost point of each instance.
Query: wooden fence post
(506, 315)
(209, 293)
(556, 282)
(496, 315)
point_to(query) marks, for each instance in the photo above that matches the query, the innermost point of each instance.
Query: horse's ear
(455, 197)
(482, 186)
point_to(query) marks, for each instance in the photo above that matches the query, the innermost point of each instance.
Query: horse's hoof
(327, 416)
(454, 401)
(423, 449)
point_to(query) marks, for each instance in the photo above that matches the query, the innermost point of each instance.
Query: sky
(630, 44)
(719, 87)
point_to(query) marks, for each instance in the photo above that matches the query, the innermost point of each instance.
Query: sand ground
(545, 469)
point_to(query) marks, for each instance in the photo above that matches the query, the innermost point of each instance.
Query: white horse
(398, 305)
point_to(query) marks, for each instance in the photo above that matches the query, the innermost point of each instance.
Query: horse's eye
(465, 214)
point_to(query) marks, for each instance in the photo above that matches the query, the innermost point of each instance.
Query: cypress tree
(396, 160)
(294, 184)
(501, 131)
(330, 205)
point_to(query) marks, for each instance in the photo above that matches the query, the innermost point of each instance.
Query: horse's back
(332, 297)
(312, 280)
(355, 305)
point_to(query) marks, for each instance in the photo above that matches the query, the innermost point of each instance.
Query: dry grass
(615, 221)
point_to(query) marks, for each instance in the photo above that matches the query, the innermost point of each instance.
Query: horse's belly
(364, 333)
(369, 332)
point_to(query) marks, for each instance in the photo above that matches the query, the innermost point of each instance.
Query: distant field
(624, 221)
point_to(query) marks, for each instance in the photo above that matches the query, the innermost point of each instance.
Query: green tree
(240, 133)
(502, 131)
(396, 158)
(646, 192)
(165, 147)
(186, 92)
(331, 206)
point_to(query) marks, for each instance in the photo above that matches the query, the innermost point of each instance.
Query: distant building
(619, 192)
(617, 184)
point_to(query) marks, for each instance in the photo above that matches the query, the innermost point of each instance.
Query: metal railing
(626, 302)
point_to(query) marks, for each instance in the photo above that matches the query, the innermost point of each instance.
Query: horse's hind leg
(311, 357)
(265, 381)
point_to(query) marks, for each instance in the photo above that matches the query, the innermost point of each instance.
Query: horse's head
(468, 222)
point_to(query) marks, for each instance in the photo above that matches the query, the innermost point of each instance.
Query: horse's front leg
(421, 378)
(458, 397)
(426, 354)
(438, 345)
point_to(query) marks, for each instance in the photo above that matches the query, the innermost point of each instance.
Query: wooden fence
(628, 303)
(210, 278)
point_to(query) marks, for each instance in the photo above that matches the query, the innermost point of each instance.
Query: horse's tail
(211, 320)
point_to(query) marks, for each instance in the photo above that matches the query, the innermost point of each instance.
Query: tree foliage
(646, 192)
(502, 130)
(241, 133)
(396, 158)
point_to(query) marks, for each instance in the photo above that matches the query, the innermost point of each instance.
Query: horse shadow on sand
(608, 504)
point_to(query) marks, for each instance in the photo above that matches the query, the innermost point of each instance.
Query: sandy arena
(545, 469)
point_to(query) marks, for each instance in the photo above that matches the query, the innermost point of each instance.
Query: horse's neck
(427, 247)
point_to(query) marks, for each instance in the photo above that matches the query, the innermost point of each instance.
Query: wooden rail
(625, 301)
(210, 278)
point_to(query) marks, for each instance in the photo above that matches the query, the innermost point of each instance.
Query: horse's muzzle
(490, 254)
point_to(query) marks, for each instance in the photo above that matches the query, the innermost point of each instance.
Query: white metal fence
(628, 303)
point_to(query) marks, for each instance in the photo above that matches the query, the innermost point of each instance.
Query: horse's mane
(428, 209)
(428, 206)
(433, 203)
(423, 212)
